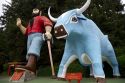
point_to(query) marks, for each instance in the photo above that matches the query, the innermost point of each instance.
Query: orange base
(17, 75)
(74, 76)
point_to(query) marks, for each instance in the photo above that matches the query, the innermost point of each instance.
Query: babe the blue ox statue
(85, 42)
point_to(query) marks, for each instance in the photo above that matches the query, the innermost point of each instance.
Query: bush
(77, 67)
(121, 60)
(73, 67)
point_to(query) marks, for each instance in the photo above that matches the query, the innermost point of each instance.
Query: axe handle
(50, 56)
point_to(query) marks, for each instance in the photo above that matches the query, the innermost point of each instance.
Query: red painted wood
(17, 75)
(74, 76)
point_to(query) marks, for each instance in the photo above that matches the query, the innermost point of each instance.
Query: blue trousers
(34, 44)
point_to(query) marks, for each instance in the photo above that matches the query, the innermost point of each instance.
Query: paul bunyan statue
(85, 42)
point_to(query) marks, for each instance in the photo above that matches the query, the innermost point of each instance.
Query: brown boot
(31, 64)
(100, 80)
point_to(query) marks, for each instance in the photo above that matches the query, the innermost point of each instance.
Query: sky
(4, 2)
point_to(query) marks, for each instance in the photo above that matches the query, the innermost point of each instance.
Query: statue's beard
(35, 14)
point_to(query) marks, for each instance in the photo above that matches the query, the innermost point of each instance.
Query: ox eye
(74, 19)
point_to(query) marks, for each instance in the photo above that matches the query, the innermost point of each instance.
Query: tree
(106, 13)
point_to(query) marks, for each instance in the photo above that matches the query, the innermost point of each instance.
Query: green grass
(49, 80)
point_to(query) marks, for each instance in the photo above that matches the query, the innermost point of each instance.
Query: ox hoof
(61, 79)
(91, 76)
(100, 80)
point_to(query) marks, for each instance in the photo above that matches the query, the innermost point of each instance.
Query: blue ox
(84, 41)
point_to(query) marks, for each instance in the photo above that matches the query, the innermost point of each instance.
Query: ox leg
(91, 71)
(111, 58)
(108, 51)
(97, 68)
(65, 62)
(83, 63)
(93, 50)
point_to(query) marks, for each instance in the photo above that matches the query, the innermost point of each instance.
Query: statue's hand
(48, 35)
(18, 23)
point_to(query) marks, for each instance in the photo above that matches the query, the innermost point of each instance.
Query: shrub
(121, 60)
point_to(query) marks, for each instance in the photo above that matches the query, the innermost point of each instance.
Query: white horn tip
(52, 18)
(84, 7)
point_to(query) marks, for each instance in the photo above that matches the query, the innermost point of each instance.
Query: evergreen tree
(106, 13)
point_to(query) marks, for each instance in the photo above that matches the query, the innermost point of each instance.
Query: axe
(51, 60)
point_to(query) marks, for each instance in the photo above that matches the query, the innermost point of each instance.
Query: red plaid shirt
(38, 25)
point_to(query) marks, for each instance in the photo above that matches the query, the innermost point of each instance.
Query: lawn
(5, 79)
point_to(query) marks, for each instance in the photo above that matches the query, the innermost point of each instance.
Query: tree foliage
(106, 13)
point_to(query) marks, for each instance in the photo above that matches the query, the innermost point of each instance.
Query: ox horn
(84, 7)
(52, 18)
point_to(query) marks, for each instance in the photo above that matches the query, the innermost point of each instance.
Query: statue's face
(35, 11)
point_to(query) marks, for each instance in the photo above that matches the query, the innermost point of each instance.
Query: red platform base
(17, 75)
(74, 76)
(21, 75)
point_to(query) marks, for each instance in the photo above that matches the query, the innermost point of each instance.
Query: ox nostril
(55, 31)
(61, 29)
